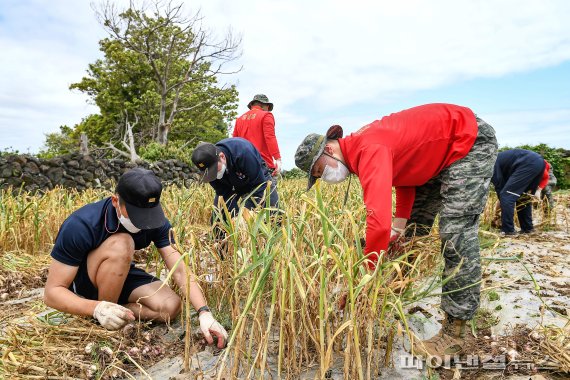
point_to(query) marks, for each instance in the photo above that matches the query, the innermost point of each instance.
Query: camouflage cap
(261, 98)
(311, 149)
(308, 153)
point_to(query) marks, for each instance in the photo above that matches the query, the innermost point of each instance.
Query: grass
(484, 319)
(276, 289)
(493, 296)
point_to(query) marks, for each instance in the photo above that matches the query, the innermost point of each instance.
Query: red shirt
(258, 126)
(545, 176)
(404, 150)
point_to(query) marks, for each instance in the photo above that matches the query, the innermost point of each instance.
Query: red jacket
(258, 126)
(404, 150)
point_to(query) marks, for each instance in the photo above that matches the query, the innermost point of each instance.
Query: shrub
(178, 150)
(9, 151)
(294, 173)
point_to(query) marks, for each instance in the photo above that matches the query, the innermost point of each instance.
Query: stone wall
(81, 172)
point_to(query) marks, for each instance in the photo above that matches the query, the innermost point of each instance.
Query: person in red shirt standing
(440, 159)
(258, 126)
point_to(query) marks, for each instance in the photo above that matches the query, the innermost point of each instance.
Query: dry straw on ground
(276, 289)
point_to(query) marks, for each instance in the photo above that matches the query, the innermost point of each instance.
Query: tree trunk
(84, 144)
(134, 156)
(162, 136)
(163, 126)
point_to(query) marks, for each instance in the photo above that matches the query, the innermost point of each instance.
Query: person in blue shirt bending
(238, 174)
(236, 171)
(518, 174)
(92, 273)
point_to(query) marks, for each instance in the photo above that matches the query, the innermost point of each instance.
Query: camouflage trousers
(458, 194)
(546, 196)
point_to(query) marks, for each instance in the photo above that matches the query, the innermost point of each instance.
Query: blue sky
(321, 63)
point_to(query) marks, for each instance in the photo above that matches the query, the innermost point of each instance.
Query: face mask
(335, 175)
(126, 222)
(221, 172)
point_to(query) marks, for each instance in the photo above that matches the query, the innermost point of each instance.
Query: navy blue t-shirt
(88, 227)
(517, 171)
(246, 170)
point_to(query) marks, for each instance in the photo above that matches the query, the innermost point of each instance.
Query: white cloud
(336, 53)
(316, 57)
(312, 58)
(34, 94)
(46, 46)
(551, 126)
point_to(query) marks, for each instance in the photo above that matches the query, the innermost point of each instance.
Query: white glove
(538, 192)
(209, 326)
(112, 316)
(395, 232)
(278, 166)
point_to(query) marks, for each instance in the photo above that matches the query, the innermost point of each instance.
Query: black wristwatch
(203, 308)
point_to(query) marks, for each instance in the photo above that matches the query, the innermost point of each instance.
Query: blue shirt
(517, 171)
(246, 170)
(88, 227)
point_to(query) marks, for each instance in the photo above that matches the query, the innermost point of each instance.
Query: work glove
(112, 316)
(396, 244)
(538, 193)
(209, 326)
(278, 166)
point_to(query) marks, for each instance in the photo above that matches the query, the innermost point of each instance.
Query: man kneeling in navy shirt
(92, 272)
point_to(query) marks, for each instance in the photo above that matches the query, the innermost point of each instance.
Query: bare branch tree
(163, 35)
(128, 142)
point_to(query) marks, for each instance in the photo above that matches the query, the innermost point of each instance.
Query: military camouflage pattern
(459, 194)
(308, 152)
(261, 98)
(546, 194)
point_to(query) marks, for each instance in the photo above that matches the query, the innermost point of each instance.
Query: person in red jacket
(258, 126)
(440, 159)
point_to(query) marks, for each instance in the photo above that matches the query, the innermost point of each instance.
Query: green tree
(180, 57)
(161, 69)
(118, 84)
(294, 174)
(58, 143)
